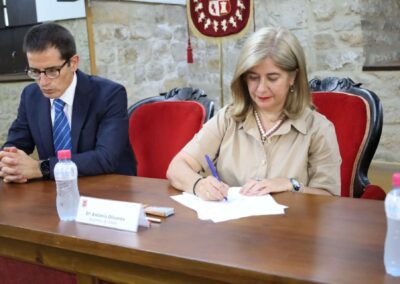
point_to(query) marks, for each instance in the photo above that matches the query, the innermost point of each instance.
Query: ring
(208, 194)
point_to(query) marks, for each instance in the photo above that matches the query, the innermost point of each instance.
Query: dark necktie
(61, 130)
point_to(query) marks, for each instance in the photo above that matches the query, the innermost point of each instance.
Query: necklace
(265, 134)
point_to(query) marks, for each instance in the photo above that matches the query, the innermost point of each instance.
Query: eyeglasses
(51, 72)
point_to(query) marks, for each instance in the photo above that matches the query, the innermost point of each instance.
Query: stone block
(154, 71)
(324, 41)
(353, 39)
(323, 10)
(174, 83)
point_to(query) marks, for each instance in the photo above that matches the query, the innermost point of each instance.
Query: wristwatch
(296, 185)
(45, 168)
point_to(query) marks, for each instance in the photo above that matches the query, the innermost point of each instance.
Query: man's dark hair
(47, 35)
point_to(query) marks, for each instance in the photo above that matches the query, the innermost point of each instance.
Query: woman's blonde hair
(284, 49)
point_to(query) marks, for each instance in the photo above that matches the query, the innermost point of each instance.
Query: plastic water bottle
(66, 176)
(392, 242)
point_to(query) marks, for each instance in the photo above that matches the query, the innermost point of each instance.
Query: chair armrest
(373, 192)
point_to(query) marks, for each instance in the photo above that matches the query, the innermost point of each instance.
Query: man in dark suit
(96, 110)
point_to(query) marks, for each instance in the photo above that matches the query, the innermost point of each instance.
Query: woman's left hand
(265, 186)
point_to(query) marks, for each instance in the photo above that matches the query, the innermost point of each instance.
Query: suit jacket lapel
(82, 100)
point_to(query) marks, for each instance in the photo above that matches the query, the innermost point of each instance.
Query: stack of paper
(237, 206)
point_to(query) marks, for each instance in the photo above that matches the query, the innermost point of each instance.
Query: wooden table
(319, 239)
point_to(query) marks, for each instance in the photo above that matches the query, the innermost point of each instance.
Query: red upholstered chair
(158, 131)
(357, 115)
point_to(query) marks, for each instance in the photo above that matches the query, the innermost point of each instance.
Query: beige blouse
(305, 148)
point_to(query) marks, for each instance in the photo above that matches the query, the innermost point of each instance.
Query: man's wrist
(44, 167)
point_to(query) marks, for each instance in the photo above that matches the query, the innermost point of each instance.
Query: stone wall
(381, 25)
(143, 46)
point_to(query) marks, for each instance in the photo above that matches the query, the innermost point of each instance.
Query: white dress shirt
(68, 98)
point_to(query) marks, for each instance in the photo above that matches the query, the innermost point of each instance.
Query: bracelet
(194, 185)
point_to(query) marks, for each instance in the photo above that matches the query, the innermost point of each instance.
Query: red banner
(219, 18)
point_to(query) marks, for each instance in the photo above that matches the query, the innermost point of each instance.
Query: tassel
(189, 52)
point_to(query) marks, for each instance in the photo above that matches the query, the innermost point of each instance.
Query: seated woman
(269, 139)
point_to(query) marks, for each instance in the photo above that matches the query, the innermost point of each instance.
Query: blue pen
(213, 170)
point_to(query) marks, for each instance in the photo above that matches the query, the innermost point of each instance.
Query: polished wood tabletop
(320, 239)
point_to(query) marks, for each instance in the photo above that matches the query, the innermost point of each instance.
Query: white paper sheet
(237, 206)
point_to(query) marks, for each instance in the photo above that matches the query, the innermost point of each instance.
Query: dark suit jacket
(100, 142)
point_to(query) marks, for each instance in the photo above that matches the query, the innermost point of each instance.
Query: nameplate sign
(111, 213)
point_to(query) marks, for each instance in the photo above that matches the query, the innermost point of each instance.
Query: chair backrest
(180, 94)
(357, 116)
(158, 131)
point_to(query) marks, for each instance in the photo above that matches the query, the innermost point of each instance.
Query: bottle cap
(64, 154)
(396, 179)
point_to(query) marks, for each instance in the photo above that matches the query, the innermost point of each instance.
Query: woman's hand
(210, 188)
(266, 186)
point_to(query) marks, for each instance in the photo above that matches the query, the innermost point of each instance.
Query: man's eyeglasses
(51, 72)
